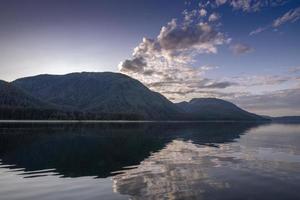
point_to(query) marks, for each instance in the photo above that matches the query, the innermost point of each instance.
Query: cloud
(246, 5)
(175, 88)
(258, 30)
(175, 39)
(180, 94)
(208, 67)
(221, 85)
(137, 64)
(239, 48)
(275, 103)
(200, 84)
(249, 5)
(292, 15)
(220, 2)
(164, 63)
(202, 93)
(189, 16)
(294, 69)
(213, 17)
(202, 12)
(260, 80)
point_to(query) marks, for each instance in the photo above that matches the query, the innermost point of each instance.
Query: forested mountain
(17, 104)
(12, 96)
(104, 96)
(109, 93)
(212, 109)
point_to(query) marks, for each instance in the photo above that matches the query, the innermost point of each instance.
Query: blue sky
(65, 36)
(246, 51)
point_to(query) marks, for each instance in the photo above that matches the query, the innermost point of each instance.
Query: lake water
(149, 161)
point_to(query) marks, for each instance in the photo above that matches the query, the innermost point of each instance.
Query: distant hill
(286, 119)
(104, 96)
(107, 93)
(212, 109)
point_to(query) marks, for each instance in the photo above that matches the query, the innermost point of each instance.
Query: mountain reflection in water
(150, 161)
(99, 149)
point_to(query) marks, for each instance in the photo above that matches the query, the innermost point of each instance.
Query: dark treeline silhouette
(9, 113)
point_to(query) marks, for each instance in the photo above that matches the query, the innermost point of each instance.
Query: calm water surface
(149, 161)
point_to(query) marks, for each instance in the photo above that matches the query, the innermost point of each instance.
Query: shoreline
(129, 121)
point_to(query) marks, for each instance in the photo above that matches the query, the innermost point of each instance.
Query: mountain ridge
(213, 108)
(11, 95)
(102, 92)
(109, 95)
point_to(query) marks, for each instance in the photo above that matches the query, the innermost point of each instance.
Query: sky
(244, 51)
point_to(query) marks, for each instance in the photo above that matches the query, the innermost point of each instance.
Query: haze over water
(149, 161)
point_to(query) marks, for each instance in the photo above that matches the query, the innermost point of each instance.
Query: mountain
(106, 93)
(212, 109)
(17, 104)
(286, 119)
(12, 96)
(104, 96)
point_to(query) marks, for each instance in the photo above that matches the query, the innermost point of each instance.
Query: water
(149, 161)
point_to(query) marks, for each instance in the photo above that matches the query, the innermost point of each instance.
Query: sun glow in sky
(246, 51)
